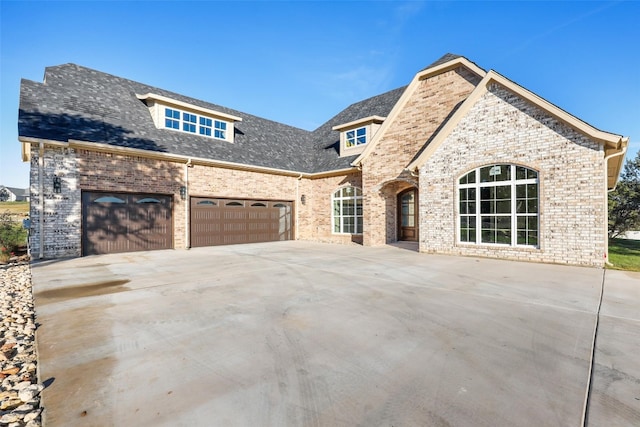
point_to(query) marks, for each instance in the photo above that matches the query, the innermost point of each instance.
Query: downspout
(606, 200)
(296, 204)
(187, 202)
(41, 199)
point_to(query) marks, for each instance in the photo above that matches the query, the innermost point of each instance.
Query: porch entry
(408, 215)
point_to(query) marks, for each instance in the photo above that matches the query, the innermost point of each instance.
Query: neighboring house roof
(15, 194)
(18, 192)
(78, 103)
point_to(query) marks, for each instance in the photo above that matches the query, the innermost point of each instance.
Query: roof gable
(613, 143)
(446, 63)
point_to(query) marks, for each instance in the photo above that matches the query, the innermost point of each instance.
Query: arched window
(347, 210)
(498, 204)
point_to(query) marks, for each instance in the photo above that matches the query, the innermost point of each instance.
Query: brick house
(462, 161)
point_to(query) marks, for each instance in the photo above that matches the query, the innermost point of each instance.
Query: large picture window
(498, 204)
(347, 210)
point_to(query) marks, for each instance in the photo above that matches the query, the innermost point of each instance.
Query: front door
(408, 215)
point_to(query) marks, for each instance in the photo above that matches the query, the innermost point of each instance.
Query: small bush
(12, 236)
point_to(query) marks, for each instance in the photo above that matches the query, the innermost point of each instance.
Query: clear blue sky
(302, 62)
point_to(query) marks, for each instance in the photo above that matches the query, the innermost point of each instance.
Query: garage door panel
(122, 222)
(235, 221)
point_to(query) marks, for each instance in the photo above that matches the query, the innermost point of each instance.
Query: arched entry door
(408, 215)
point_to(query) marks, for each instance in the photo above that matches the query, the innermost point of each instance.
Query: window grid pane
(355, 137)
(172, 118)
(347, 211)
(504, 204)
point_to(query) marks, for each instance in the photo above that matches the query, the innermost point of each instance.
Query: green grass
(624, 254)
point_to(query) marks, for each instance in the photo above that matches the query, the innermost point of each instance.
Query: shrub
(12, 236)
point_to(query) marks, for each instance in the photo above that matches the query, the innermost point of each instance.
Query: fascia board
(178, 158)
(454, 63)
(408, 92)
(169, 101)
(370, 119)
(583, 127)
(137, 152)
(27, 141)
(327, 174)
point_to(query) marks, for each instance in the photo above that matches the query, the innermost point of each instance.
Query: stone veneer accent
(503, 128)
(383, 171)
(61, 212)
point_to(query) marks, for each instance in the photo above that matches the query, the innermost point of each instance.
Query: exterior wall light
(57, 184)
(303, 199)
(183, 192)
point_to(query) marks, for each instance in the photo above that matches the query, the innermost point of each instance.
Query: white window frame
(171, 118)
(338, 218)
(512, 183)
(356, 139)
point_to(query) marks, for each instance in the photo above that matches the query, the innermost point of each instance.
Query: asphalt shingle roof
(76, 102)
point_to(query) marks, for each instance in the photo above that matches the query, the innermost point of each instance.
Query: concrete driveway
(306, 334)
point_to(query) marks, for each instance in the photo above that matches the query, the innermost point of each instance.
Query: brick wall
(85, 170)
(130, 174)
(319, 224)
(206, 181)
(503, 128)
(433, 100)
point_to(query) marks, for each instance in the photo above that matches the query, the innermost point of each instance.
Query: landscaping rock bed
(20, 390)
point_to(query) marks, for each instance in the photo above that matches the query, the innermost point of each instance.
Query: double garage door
(124, 222)
(217, 221)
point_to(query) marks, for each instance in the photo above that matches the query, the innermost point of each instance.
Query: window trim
(357, 196)
(513, 182)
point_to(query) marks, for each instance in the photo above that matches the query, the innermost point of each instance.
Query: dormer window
(176, 115)
(194, 123)
(220, 129)
(356, 134)
(172, 118)
(189, 122)
(356, 137)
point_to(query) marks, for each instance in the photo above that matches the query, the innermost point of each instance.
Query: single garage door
(122, 222)
(217, 221)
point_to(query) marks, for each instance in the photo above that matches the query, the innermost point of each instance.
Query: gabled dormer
(355, 135)
(180, 116)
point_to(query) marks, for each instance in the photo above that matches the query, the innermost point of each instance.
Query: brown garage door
(121, 222)
(228, 221)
